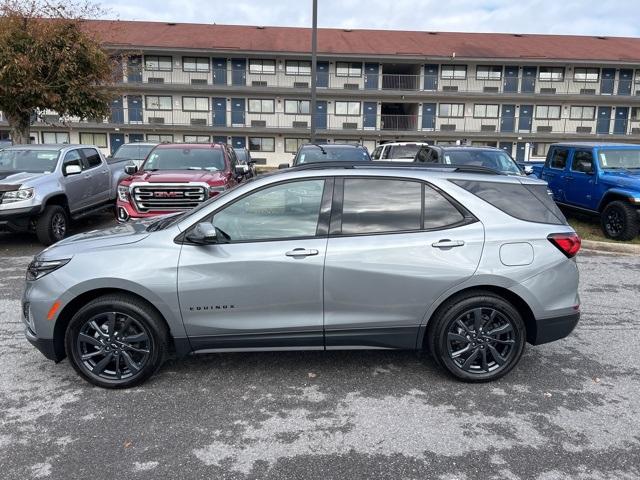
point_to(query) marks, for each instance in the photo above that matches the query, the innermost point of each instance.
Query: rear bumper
(554, 328)
(45, 345)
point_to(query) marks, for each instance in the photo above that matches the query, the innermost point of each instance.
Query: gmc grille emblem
(168, 194)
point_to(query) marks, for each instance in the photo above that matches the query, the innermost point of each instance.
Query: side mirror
(203, 234)
(130, 169)
(283, 165)
(241, 170)
(72, 169)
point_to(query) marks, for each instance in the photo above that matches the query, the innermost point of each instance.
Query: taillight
(567, 243)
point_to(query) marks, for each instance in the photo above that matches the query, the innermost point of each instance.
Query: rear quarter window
(530, 203)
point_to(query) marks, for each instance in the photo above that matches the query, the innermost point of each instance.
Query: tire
(52, 225)
(619, 221)
(116, 341)
(451, 342)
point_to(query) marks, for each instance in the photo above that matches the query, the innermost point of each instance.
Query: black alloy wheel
(620, 221)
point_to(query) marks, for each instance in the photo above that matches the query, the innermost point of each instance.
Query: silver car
(462, 262)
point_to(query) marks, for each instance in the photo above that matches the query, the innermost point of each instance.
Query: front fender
(617, 192)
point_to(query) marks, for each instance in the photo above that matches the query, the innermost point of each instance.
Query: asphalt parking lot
(569, 410)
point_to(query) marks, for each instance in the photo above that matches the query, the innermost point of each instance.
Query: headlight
(216, 190)
(39, 268)
(123, 193)
(18, 195)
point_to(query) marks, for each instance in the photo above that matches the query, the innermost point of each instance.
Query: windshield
(241, 155)
(133, 152)
(493, 159)
(185, 159)
(620, 159)
(331, 154)
(28, 160)
(403, 151)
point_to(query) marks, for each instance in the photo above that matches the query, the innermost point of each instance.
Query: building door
(134, 69)
(508, 118)
(370, 115)
(428, 116)
(219, 71)
(322, 75)
(510, 79)
(525, 118)
(219, 139)
(607, 81)
(371, 76)
(507, 147)
(621, 120)
(239, 71)
(624, 82)
(134, 107)
(136, 137)
(117, 111)
(431, 77)
(237, 112)
(528, 84)
(604, 120)
(219, 106)
(238, 142)
(521, 152)
(115, 140)
(321, 114)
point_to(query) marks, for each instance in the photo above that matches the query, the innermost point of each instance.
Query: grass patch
(589, 228)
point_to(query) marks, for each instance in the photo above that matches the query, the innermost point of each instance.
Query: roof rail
(381, 164)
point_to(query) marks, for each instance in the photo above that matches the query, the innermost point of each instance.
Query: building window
(582, 113)
(296, 106)
(453, 110)
(195, 138)
(159, 138)
(195, 104)
(481, 110)
(347, 108)
(586, 74)
(548, 112)
(97, 139)
(262, 144)
(157, 63)
(298, 67)
(348, 69)
(488, 72)
(291, 145)
(540, 149)
(55, 137)
(454, 72)
(257, 105)
(551, 74)
(267, 67)
(195, 64)
(635, 114)
(156, 102)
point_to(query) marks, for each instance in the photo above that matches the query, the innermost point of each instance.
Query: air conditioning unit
(583, 129)
(450, 88)
(351, 86)
(155, 80)
(198, 81)
(258, 83)
(349, 125)
(634, 131)
(300, 84)
(198, 121)
(300, 124)
(487, 128)
(587, 91)
(156, 120)
(547, 91)
(545, 129)
(448, 127)
(491, 89)
(258, 123)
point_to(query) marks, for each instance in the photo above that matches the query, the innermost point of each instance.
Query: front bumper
(554, 328)
(17, 219)
(45, 345)
(125, 211)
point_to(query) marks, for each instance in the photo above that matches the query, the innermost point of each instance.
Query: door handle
(568, 177)
(448, 243)
(301, 252)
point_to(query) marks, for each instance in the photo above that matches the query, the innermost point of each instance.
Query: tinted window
(373, 206)
(283, 211)
(92, 156)
(403, 151)
(493, 159)
(376, 153)
(73, 158)
(559, 159)
(582, 162)
(531, 203)
(241, 155)
(324, 153)
(438, 211)
(427, 155)
(133, 152)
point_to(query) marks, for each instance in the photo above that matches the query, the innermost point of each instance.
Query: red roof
(130, 34)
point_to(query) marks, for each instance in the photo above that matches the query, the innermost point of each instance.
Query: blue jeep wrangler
(597, 178)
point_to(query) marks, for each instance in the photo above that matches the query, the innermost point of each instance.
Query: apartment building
(250, 86)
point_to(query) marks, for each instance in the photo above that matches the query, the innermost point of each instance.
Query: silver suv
(462, 262)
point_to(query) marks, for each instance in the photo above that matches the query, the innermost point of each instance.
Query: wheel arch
(612, 196)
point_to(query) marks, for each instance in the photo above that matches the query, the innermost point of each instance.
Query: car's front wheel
(52, 225)
(116, 341)
(477, 337)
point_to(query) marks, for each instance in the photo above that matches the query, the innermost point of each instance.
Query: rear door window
(92, 157)
(558, 158)
(438, 211)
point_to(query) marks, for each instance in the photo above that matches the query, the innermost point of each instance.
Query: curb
(611, 247)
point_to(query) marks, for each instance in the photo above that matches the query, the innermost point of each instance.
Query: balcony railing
(221, 78)
(212, 120)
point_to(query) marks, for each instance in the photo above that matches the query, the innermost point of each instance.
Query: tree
(48, 62)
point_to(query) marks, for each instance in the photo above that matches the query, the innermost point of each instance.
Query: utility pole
(314, 66)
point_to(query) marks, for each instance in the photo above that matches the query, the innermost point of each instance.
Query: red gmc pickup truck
(176, 177)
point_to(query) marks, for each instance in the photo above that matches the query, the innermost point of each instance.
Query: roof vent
(519, 35)
(432, 33)
(347, 30)
(171, 24)
(601, 38)
(261, 27)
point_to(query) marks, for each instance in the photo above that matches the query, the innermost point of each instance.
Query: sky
(576, 17)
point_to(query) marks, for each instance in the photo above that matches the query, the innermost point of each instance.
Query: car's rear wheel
(477, 337)
(116, 341)
(620, 221)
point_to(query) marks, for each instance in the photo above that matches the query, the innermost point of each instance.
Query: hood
(178, 176)
(17, 179)
(622, 178)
